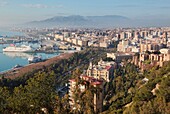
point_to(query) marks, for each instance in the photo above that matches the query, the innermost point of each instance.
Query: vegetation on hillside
(36, 92)
(131, 94)
(127, 93)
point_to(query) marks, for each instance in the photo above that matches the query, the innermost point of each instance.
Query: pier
(9, 40)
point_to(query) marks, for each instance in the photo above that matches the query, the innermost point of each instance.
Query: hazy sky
(19, 11)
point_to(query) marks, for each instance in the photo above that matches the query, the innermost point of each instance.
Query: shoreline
(47, 55)
(14, 73)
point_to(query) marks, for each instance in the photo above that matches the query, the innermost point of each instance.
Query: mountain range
(82, 21)
(107, 21)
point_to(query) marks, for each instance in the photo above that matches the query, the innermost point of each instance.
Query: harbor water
(9, 59)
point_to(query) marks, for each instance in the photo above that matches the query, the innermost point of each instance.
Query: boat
(22, 48)
(34, 59)
(17, 66)
(18, 54)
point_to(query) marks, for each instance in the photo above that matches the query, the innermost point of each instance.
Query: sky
(21, 11)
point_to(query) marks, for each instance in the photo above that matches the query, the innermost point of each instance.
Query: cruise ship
(22, 48)
(18, 54)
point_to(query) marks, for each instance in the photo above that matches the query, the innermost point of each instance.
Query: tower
(165, 37)
(89, 70)
(91, 65)
(98, 96)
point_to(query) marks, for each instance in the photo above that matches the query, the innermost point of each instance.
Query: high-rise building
(122, 45)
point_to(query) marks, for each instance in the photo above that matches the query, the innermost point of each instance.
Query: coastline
(12, 74)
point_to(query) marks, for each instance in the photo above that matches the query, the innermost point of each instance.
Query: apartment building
(150, 47)
(81, 42)
(119, 57)
(158, 59)
(104, 44)
(122, 45)
(59, 36)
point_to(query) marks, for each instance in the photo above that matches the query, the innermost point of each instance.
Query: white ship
(34, 59)
(22, 48)
(17, 54)
(17, 66)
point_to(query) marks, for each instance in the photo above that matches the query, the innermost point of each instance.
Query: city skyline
(21, 11)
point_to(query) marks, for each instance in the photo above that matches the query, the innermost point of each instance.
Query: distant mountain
(82, 21)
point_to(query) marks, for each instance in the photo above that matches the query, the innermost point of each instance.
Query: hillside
(132, 94)
(128, 93)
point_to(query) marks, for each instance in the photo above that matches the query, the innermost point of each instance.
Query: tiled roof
(108, 67)
(72, 80)
(96, 83)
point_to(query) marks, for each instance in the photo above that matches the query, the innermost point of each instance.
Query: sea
(10, 59)
(8, 32)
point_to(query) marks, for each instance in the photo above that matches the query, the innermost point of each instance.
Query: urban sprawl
(144, 47)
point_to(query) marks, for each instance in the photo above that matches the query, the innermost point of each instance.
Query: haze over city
(146, 12)
(84, 57)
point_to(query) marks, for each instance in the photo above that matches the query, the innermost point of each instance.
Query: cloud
(34, 6)
(3, 3)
